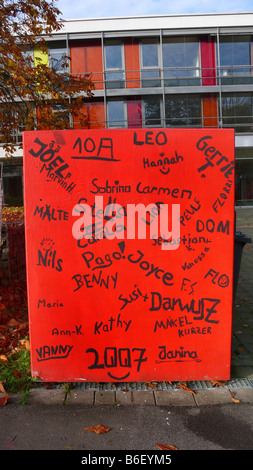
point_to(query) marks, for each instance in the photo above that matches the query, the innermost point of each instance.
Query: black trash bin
(240, 241)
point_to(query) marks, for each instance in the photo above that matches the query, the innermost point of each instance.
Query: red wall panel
(87, 58)
(95, 115)
(210, 110)
(107, 309)
(134, 113)
(208, 62)
(132, 62)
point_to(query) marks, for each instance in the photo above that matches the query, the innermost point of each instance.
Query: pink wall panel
(208, 62)
(134, 113)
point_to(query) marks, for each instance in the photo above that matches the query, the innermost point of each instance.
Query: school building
(161, 71)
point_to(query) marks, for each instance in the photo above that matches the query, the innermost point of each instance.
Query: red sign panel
(129, 240)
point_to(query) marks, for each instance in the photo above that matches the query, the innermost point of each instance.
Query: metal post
(71, 123)
(219, 78)
(162, 80)
(103, 61)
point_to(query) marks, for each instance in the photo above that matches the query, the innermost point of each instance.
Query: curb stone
(174, 398)
(215, 396)
(46, 397)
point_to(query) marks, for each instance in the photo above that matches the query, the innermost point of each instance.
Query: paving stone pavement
(174, 397)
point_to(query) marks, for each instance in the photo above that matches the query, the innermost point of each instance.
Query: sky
(72, 9)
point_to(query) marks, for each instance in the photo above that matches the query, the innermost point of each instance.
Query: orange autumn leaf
(3, 400)
(3, 358)
(12, 322)
(235, 400)
(98, 429)
(4, 397)
(151, 384)
(217, 383)
(2, 390)
(17, 374)
(184, 386)
(166, 447)
(24, 344)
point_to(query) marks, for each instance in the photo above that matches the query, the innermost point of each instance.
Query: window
(152, 111)
(61, 115)
(56, 59)
(28, 55)
(13, 184)
(181, 61)
(134, 113)
(21, 117)
(114, 65)
(244, 177)
(237, 111)
(87, 58)
(235, 60)
(116, 114)
(150, 63)
(183, 110)
(93, 112)
(57, 56)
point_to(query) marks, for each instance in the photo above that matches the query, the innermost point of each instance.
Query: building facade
(181, 71)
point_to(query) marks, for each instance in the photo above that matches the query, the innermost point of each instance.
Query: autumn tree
(35, 93)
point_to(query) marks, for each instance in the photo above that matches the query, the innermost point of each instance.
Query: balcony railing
(241, 124)
(149, 77)
(185, 122)
(231, 115)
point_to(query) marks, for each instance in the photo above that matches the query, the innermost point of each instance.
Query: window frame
(62, 51)
(108, 121)
(144, 117)
(241, 123)
(235, 73)
(115, 82)
(181, 77)
(185, 119)
(155, 81)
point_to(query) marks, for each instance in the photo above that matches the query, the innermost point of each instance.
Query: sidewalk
(233, 392)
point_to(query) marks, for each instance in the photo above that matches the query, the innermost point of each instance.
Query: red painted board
(115, 306)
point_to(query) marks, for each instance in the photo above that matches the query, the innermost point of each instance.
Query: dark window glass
(152, 111)
(235, 60)
(13, 185)
(237, 111)
(183, 110)
(244, 179)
